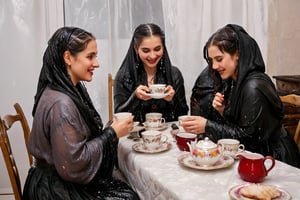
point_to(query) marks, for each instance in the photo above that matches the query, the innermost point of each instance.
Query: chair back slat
(11, 166)
(110, 96)
(10, 119)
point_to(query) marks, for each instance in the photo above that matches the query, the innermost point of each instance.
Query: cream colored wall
(284, 38)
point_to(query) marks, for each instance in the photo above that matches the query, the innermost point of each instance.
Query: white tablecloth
(160, 176)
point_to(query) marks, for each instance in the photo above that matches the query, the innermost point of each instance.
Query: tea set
(202, 154)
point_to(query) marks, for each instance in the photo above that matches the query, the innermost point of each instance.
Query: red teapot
(252, 166)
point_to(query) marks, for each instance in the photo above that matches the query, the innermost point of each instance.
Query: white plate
(186, 160)
(234, 193)
(140, 147)
(158, 96)
(159, 128)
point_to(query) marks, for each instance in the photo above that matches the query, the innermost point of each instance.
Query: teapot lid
(206, 144)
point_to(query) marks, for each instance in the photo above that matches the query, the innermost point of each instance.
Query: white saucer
(235, 194)
(140, 147)
(159, 128)
(186, 160)
(136, 127)
(158, 96)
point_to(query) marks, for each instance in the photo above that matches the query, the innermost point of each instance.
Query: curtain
(187, 25)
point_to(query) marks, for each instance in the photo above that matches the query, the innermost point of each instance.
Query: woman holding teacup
(147, 63)
(250, 106)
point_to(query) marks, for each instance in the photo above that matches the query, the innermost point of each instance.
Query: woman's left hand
(170, 92)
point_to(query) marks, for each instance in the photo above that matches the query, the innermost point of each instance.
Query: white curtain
(187, 25)
(26, 26)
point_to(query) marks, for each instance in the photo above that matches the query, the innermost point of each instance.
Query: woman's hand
(194, 124)
(142, 92)
(122, 127)
(218, 103)
(170, 92)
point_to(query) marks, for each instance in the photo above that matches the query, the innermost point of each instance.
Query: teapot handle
(221, 146)
(273, 162)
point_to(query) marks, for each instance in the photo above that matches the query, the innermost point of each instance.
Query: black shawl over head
(251, 66)
(54, 75)
(133, 64)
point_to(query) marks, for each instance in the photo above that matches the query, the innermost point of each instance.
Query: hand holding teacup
(157, 88)
(122, 123)
(142, 92)
(193, 124)
(162, 89)
(171, 93)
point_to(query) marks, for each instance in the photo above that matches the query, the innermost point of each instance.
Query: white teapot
(205, 152)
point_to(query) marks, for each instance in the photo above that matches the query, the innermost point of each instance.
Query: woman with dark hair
(249, 104)
(147, 62)
(203, 93)
(74, 155)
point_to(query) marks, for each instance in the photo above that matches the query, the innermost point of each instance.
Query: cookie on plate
(260, 192)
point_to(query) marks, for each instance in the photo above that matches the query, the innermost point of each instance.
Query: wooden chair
(10, 119)
(291, 98)
(10, 162)
(110, 96)
(291, 107)
(297, 135)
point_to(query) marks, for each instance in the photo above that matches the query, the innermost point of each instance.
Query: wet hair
(147, 30)
(71, 39)
(54, 71)
(225, 39)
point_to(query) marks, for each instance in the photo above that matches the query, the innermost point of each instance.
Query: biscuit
(260, 192)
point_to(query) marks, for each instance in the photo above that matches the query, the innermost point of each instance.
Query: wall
(25, 27)
(284, 38)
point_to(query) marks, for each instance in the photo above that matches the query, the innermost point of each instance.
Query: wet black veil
(54, 75)
(133, 64)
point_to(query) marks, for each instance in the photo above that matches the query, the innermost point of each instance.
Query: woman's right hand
(218, 103)
(122, 127)
(142, 92)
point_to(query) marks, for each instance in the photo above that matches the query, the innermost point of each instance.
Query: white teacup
(153, 139)
(231, 146)
(157, 88)
(154, 120)
(122, 115)
(180, 118)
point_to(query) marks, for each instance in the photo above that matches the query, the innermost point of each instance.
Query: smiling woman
(146, 63)
(244, 96)
(75, 156)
